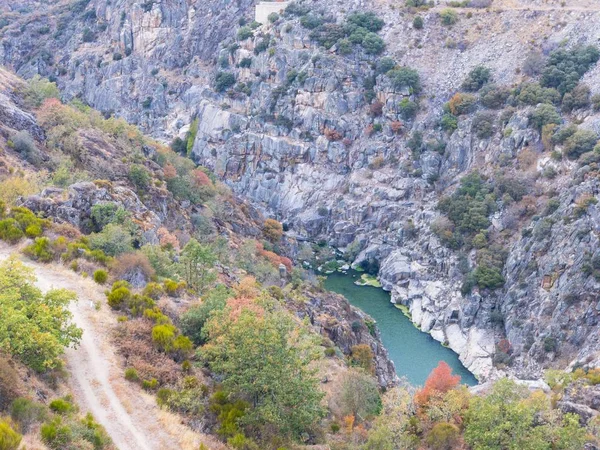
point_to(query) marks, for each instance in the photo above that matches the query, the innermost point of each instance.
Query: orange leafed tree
(439, 380)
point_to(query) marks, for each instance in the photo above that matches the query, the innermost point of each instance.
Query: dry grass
(187, 439)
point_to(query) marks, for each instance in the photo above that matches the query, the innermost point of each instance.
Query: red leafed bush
(331, 134)
(169, 171)
(200, 178)
(376, 108)
(439, 380)
(396, 126)
(273, 257)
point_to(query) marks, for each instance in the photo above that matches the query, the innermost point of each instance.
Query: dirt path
(129, 415)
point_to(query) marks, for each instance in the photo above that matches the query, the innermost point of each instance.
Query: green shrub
(244, 33)
(443, 436)
(580, 142)
(108, 212)
(113, 240)
(477, 77)
(40, 250)
(223, 81)
(9, 438)
(417, 23)
(330, 33)
(153, 290)
(367, 20)
(164, 336)
(468, 209)
(373, 44)
(245, 63)
(273, 17)
(545, 114)
(329, 352)
(61, 406)
(193, 320)
(10, 231)
(578, 98)
(462, 103)
(405, 77)
(173, 288)
(384, 65)
(449, 122)
(56, 434)
(565, 68)
(25, 413)
(492, 96)
(139, 176)
(39, 89)
(483, 125)
(25, 145)
(118, 297)
(448, 17)
(311, 21)
(137, 304)
(131, 374)
(150, 385)
(534, 93)
(100, 276)
(344, 46)
(407, 109)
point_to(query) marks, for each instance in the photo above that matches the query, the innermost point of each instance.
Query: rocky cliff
(322, 136)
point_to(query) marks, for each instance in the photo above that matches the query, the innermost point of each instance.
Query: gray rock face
(74, 205)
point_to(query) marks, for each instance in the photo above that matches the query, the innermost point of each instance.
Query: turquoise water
(414, 353)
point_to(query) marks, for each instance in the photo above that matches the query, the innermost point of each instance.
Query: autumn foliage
(440, 380)
(273, 257)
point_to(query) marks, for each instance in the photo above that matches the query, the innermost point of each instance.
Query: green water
(414, 353)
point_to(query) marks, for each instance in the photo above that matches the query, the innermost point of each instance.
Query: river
(414, 353)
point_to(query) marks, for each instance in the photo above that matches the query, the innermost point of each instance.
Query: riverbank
(413, 352)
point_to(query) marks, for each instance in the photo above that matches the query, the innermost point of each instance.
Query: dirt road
(129, 415)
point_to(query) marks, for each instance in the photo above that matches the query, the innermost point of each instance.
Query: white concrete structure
(263, 9)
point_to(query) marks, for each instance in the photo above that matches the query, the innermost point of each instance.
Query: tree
(139, 176)
(223, 81)
(263, 357)
(545, 114)
(112, 240)
(477, 77)
(391, 429)
(39, 89)
(194, 319)
(462, 103)
(273, 230)
(582, 141)
(510, 418)
(405, 77)
(362, 356)
(373, 44)
(443, 436)
(198, 263)
(359, 395)
(439, 380)
(34, 328)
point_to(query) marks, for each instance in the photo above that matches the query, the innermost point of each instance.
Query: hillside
(199, 166)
